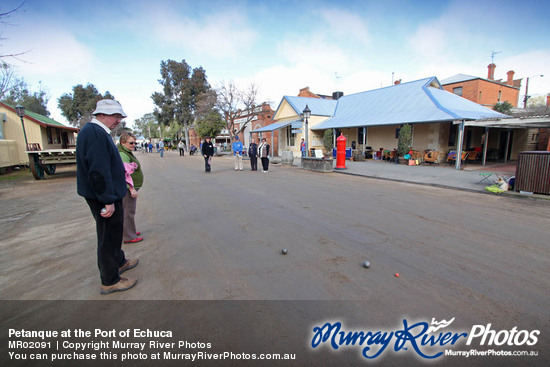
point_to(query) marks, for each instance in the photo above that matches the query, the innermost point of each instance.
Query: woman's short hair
(125, 136)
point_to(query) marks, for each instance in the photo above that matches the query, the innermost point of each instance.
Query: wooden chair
(451, 156)
(416, 155)
(392, 156)
(472, 156)
(431, 157)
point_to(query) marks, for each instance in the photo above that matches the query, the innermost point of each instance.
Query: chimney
(491, 73)
(398, 81)
(510, 80)
(337, 95)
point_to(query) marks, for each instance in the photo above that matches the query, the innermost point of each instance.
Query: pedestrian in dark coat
(207, 152)
(253, 154)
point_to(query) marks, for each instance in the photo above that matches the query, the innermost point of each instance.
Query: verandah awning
(274, 126)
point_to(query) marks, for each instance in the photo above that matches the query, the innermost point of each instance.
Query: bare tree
(6, 70)
(205, 103)
(6, 78)
(236, 106)
(3, 17)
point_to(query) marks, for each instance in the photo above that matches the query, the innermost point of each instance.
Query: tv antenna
(336, 77)
(493, 56)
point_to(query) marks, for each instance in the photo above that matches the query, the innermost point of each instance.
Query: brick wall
(486, 92)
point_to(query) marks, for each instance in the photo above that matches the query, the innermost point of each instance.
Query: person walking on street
(238, 154)
(263, 153)
(207, 152)
(161, 148)
(100, 179)
(253, 154)
(134, 181)
(181, 148)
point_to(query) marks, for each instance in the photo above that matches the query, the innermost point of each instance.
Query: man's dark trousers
(110, 256)
(254, 162)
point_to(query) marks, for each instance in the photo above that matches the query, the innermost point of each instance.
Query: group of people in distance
(254, 151)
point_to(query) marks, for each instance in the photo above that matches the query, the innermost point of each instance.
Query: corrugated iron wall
(533, 172)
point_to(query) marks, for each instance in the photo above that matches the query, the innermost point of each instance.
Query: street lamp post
(527, 96)
(307, 114)
(20, 111)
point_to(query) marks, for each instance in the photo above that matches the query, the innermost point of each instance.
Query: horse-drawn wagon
(46, 161)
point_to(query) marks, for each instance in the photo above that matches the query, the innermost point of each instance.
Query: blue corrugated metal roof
(415, 102)
(272, 127)
(458, 78)
(318, 106)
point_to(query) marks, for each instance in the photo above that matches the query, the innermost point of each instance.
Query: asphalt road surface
(218, 236)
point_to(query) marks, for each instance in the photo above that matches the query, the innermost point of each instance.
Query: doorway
(502, 153)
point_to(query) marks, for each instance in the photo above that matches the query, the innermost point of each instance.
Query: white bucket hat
(108, 107)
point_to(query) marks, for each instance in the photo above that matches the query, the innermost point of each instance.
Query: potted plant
(404, 144)
(328, 139)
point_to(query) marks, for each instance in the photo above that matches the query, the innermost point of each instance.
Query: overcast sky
(282, 46)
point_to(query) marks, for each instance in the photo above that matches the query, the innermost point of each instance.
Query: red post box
(341, 152)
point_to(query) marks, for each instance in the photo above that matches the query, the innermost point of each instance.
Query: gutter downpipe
(272, 148)
(485, 144)
(333, 139)
(458, 160)
(507, 146)
(364, 138)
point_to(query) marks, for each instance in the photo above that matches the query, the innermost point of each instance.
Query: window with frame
(49, 134)
(290, 137)
(457, 91)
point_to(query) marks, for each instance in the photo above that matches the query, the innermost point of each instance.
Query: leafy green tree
(173, 131)
(211, 124)
(404, 144)
(503, 107)
(328, 141)
(77, 107)
(182, 89)
(147, 126)
(536, 102)
(19, 93)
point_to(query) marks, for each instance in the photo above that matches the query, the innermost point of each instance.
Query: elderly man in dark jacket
(101, 181)
(253, 154)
